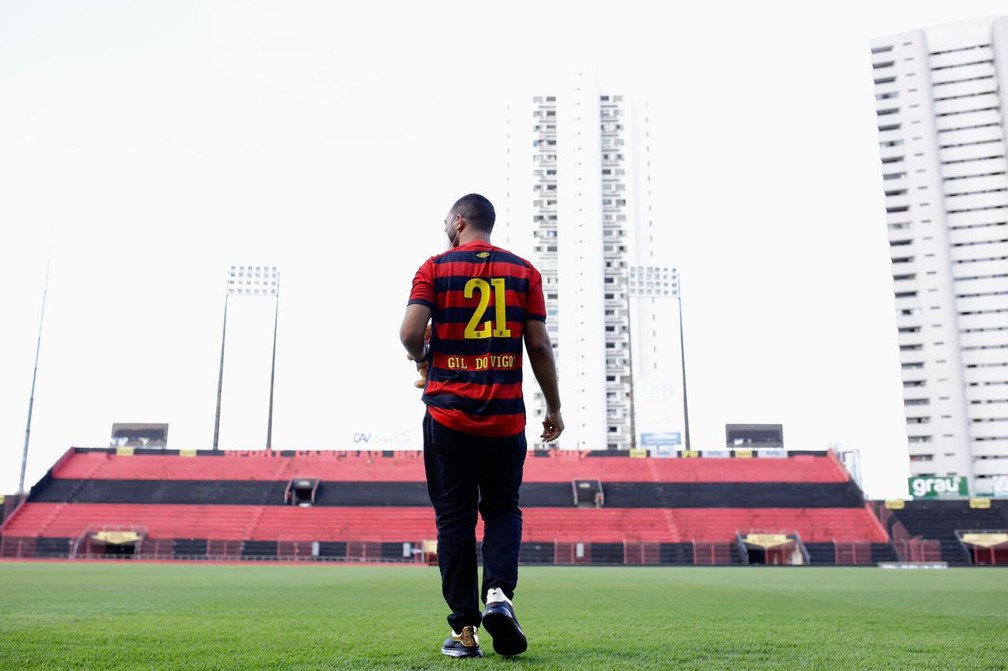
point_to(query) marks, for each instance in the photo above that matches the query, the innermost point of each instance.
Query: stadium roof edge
(261, 453)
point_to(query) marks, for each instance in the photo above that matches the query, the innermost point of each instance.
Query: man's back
(480, 297)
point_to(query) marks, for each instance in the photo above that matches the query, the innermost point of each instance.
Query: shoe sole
(508, 637)
(461, 653)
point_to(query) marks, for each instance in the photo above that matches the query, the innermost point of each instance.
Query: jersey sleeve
(535, 306)
(422, 292)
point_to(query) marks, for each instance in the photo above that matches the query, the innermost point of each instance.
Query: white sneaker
(500, 622)
(496, 595)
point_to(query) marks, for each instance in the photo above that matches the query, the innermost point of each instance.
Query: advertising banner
(938, 486)
(668, 438)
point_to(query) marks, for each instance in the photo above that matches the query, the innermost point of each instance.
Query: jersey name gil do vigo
(479, 296)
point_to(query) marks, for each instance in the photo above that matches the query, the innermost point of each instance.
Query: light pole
(677, 292)
(276, 314)
(31, 398)
(220, 372)
(261, 281)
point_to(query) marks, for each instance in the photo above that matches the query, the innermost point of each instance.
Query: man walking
(482, 304)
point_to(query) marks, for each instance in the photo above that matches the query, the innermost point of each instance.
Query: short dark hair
(477, 210)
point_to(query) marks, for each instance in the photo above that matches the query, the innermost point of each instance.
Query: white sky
(146, 147)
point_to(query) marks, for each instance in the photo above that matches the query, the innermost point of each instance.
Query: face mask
(452, 232)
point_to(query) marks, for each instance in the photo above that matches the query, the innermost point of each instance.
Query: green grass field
(131, 615)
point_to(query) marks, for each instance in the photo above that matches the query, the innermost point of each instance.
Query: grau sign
(938, 486)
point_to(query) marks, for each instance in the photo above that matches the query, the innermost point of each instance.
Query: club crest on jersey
(482, 255)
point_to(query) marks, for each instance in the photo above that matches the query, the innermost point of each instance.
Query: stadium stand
(958, 532)
(8, 504)
(579, 507)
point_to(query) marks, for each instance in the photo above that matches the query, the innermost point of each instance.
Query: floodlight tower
(262, 281)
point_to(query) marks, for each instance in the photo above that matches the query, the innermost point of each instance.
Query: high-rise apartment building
(941, 130)
(579, 181)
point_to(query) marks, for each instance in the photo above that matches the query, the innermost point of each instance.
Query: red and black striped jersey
(480, 297)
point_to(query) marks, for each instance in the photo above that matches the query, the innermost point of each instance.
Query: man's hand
(553, 426)
(422, 367)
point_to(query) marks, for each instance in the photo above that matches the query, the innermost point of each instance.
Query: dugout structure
(108, 542)
(772, 548)
(986, 547)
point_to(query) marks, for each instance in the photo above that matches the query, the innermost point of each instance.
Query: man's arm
(540, 354)
(411, 332)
